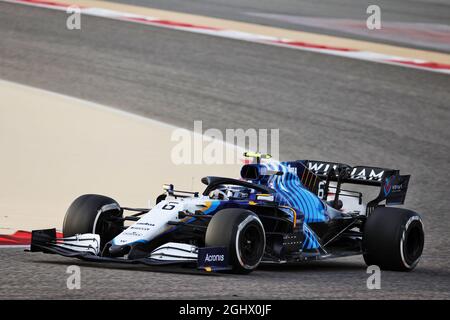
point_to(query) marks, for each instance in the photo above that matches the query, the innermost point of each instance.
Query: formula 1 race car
(278, 212)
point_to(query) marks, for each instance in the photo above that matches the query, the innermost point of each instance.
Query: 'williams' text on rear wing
(393, 186)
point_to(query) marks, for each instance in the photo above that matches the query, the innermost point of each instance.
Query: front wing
(83, 247)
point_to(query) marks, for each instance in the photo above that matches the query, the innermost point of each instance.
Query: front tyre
(242, 233)
(93, 213)
(393, 239)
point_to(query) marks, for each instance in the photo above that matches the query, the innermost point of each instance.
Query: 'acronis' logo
(214, 257)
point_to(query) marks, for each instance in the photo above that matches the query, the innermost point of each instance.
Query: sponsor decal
(213, 258)
(146, 224)
(133, 234)
(388, 185)
(366, 174)
(292, 169)
(140, 228)
(395, 188)
(359, 173)
(320, 168)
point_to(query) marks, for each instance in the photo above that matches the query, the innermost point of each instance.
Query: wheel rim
(105, 227)
(414, 241)
(251, 245)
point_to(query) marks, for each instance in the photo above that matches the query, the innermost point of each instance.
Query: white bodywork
(173, 251)
(155, 222)
(87, 242)
(349, 201)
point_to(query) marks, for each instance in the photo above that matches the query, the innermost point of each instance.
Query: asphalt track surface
(326, 108)
(297, 14)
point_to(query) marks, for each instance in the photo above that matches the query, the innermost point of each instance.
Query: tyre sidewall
(225, 230)
(84, 216)
(250, 221)
(385, 232)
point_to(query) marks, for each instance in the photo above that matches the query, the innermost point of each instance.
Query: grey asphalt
(326, 108)
(433, 14)
(35, 275)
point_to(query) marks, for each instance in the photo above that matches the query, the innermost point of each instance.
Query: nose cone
(119, 251)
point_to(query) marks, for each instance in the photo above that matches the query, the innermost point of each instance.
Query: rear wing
(393, 186)
(372, 176)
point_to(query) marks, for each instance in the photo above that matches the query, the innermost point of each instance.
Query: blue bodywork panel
(291, 192)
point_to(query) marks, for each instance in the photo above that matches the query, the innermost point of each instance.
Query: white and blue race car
(278, 212)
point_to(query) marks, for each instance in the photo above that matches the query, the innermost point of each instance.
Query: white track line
(244, 36)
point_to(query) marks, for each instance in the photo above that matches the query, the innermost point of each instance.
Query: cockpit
(230, 192)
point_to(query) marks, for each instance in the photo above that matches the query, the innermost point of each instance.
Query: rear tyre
(92, 213)
(242, 233)
(393, 239)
